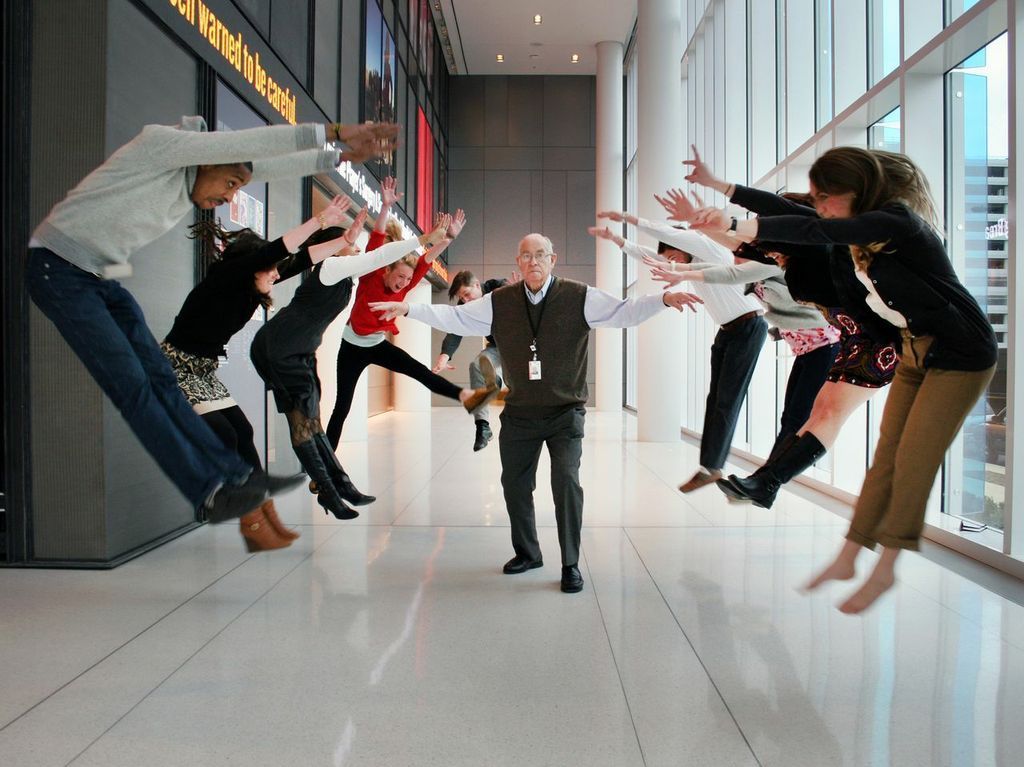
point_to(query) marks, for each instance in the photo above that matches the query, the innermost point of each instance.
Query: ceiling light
(537, 20)
(500, 58)
(575, 58)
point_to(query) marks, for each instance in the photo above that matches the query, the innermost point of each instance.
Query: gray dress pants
(520, 442)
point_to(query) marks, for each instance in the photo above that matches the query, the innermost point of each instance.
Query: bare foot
(839, 570)
(866, 595)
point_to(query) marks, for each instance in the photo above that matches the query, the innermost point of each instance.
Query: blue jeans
(103, 324)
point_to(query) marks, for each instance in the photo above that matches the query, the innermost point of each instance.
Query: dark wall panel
(326, 61)
(258, 12)
(567, 111)
(525, 111)
(351, 61)
(150, 79)
(467, 112)
(289, 35)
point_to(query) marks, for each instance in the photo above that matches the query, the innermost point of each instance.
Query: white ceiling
(480, 29)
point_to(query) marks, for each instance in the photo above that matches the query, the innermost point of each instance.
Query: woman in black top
(283, 352)
(878, 203)
(238, 283)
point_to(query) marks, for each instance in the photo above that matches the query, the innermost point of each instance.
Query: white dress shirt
(723, 302)
(600, 310)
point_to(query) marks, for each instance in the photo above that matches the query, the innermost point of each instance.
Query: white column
(608, 177)
(412, 396)
(660, 381)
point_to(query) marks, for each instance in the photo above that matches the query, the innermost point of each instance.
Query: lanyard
(535, 328)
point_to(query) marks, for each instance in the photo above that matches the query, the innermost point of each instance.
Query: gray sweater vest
(561, 348)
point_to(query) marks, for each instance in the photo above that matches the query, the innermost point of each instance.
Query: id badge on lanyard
(534, 365)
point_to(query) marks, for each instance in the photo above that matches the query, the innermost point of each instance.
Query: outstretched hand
(616, 215)
(352, 233)
(388, 191)
(388, 310)
(679, 300)
(458, 221)
(515, 278)
(368, 140)
(667, 274)
(711, 220)
(678, 206)
(605, 233)
(336, 211)
(700, 173)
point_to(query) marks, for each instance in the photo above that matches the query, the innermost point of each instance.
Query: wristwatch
(731, 231)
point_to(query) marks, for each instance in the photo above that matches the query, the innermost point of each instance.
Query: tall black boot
(342, 482)
(327, 494)
(762, 486)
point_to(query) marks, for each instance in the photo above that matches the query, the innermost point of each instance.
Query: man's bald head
(536, 259)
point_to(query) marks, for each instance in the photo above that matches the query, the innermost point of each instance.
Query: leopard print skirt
(197, 379)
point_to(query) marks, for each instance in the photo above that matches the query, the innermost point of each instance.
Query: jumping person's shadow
(740, 646)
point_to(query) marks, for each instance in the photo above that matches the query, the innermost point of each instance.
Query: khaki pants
(924, 412)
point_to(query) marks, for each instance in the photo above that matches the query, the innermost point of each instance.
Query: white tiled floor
(395, 640)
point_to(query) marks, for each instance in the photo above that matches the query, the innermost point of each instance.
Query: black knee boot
(762, 486)
(327, 494)
(340, 478)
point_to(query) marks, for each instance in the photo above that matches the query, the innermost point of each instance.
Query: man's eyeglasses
(535, 257)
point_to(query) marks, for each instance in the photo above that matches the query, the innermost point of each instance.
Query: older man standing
(541, 330)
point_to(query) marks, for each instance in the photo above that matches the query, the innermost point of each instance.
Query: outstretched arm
(603, 310)
(337, 269)
(472, 319)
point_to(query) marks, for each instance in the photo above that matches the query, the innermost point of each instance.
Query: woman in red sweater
(364, 340)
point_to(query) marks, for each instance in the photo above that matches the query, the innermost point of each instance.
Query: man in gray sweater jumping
(141, 192)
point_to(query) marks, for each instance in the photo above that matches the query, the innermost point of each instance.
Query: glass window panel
(977, 212)
(956, 8)
(886, 133)
(883, 38)
(823, 61)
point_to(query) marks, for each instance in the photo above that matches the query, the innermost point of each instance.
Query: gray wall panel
(466, 158)
(554, 221)
(525, 111)
(506, 214)
(466, 189)
(289, 35)
(467, 111)
(513, 158)
(496, 111)
(569, 158)
(567, 111)
(579, 200)
(536, 201)
(326, 61)
(351, 63)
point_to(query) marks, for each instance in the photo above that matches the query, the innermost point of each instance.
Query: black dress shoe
(234, 501)
(572, 581)
(483, 436)
(520, 564)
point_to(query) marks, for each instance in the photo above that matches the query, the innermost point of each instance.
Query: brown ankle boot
(275, 521)
(259, 534)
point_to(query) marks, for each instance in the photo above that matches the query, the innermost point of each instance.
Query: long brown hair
(876, 178)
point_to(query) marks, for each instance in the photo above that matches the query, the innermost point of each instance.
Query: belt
(733, 324)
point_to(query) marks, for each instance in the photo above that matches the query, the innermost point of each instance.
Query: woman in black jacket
(878, 203)
(245, 268)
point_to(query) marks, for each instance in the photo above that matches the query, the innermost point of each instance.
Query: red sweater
(371, 288)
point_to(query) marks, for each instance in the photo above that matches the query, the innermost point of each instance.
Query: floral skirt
(197, 379)
(861, 361)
